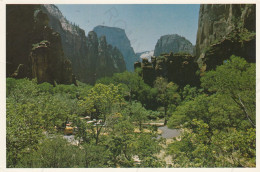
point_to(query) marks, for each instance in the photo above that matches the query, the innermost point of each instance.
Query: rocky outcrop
(179, 68)
(117, 37)
(33, 49)
(108, 59)
(173, 43)
(224, 30)
(73, 39)
(91, 57)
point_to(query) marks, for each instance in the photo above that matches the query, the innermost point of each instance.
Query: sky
(144, 24)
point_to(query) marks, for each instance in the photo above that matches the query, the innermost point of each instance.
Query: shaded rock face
(173, 43)
(91, 57)
(224, 30)
(104, 59)
(33, 49)
(179, 68)
(117, 37)
(115, 62)
(74, 41)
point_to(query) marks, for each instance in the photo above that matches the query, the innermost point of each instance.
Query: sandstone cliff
(173, 43)
(117, 37)
(91, 58)
(33, 49)
(179, 68)
(224, 30)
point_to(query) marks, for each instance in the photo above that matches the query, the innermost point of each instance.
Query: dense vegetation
(217, 121)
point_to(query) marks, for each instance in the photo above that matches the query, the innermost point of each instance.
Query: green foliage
(124, 144)
(21, 90)
(54, 153)
(104, 97)
(246, 35)
(193, 149)
(42, 43)
(96, 156)
(189, 93)
(236, 79)
(167, 94)
(133, 87)
(217, 121)
(219, 129)
(235, 148)
(137, 113)
(197, 148)
(100, 102)
(31, 110)
(24, 130)
(46, 88)
(147, 149)
(121, 144)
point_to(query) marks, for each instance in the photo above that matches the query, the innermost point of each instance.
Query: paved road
(168, 133)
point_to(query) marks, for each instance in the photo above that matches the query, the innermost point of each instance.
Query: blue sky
(144, 24)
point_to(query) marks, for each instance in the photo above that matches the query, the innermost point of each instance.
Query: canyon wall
(33, 49)
(224, 30)
(91, 58)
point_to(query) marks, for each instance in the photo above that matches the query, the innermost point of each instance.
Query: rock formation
(173, 43)
(179, 68)
(91, 58)
(33, 49)
(224, 30)
(117, 37)
(110, 59)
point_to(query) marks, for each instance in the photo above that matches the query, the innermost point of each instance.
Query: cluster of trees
(217, 121)
(37, 114)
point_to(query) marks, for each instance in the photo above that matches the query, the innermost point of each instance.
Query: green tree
(218, 128)
(128, 80)
(167, 94)
(23, 130)
(96, 156)
(221, 148)
(147, 149)
(54, 153)
(235, 78)
(133, 88)
(189, 93)
(121, 144)
(137, 113)
(103, 98)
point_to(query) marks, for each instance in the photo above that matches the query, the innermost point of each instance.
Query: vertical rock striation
(73, 39)
(91, 57)
(223, 30)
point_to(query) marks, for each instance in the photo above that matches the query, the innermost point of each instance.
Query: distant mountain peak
(118, 38)
(173, 43)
